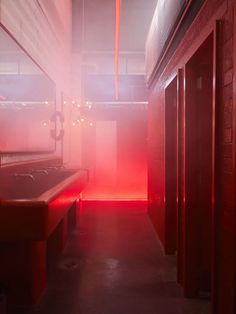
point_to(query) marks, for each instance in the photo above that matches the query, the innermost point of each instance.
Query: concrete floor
(114, 264)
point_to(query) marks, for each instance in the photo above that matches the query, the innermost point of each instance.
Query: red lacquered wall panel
(180, 176)
(198, 171)
(225, 244)
(171, 166)
(216, 216)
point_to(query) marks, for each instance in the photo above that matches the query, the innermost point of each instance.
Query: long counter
(37, 202)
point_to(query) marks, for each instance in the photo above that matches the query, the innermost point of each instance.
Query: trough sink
(31, 209)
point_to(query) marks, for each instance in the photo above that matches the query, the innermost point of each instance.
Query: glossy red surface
(206, 202)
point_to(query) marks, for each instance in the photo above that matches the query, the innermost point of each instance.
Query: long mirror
(27, 101)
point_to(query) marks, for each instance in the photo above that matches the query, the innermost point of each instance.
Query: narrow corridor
(114, 264)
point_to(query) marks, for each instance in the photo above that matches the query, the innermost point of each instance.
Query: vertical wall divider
(180, 174)
(184, 180)
(234, 133)
(171, 165)
(215, 162)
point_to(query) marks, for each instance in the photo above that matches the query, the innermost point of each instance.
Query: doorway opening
(199, 131)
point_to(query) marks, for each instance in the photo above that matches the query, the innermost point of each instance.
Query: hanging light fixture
(117, 46)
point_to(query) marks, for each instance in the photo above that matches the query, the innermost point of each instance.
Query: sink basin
(37, 208)
(17, 187)
(32, 209)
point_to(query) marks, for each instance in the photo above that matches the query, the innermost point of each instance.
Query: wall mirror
(27, 101)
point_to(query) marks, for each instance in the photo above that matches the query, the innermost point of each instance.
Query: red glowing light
(117, 43)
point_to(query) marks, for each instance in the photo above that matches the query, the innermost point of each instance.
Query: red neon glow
(103, 207)
(116, 199)
(117, 45)
(116, 157)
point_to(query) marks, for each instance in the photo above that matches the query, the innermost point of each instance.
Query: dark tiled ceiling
(95, 32)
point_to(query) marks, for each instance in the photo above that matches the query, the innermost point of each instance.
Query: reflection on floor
(124, 190)
(114, 264)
